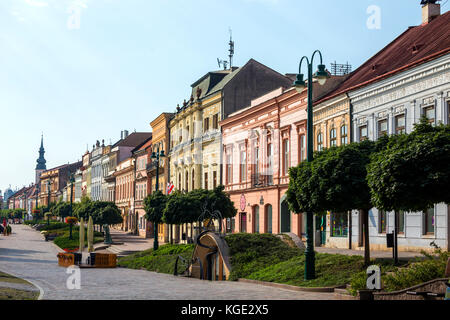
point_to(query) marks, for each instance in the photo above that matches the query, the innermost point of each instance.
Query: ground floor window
(339, 224)
(428, 221)
(269, 218)
(230, 225)
(401, 221)
(243, 222)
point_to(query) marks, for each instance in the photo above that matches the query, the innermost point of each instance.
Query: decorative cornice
(398, 88)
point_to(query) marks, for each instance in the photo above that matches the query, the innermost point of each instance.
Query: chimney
(121, 135)
(430, 10)
(125, 134)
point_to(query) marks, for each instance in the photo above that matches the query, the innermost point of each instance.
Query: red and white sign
(243, 202)
(170, 187)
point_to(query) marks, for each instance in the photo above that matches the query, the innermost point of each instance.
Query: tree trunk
(396, 237)
(365, 213)
(350, 230)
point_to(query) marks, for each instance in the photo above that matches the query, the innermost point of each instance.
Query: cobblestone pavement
(27, 255)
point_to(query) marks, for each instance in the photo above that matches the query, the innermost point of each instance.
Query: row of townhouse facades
(246, 126)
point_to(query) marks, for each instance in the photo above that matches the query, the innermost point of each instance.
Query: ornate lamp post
(156, 158)
(321, 76)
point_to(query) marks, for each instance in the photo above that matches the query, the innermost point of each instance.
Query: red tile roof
(415, 46)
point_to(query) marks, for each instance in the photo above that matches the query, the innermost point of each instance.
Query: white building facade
(393, 106)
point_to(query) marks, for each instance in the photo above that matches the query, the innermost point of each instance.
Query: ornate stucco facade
(160, 139)
(195, 134)
(393, 106)
(260, 144)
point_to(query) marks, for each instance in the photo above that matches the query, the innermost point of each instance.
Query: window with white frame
(229, 166)
(286, 154)
(319, 142)
(363, 133)
(428, 219)
(400, 124)
(382, 127)
(243, 164)
(302, 147)
(429, 113)
(333, 141)
(344, 135)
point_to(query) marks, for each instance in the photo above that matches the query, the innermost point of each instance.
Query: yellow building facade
(331, 127)
(160, 138)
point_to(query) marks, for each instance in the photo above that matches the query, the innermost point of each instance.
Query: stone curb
(290, 287)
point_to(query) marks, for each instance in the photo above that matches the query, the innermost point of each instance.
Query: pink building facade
(260, 144)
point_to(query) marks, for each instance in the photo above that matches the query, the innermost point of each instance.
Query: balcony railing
(261, 180)
(151, 168)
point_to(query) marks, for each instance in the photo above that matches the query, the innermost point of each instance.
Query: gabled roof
(413, 47)
(134, 140)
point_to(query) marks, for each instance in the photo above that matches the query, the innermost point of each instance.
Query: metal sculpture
(209, 254)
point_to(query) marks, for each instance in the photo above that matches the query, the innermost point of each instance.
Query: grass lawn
(162, 260)
(15, 294)
(266, 257)
(63, 240)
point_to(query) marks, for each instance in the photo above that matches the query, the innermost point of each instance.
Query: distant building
(123, 177)
(388, 94)
(54, 180)
(41, 162)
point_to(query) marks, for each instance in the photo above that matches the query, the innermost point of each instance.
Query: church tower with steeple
(40, 167)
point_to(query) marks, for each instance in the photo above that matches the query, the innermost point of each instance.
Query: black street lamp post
(321, 76)
(49, 183)
(156, 158)
(72, 181)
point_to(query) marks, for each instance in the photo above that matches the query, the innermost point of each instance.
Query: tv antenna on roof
(231, 50)
(222, 62)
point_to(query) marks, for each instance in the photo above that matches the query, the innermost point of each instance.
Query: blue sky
(126, 61)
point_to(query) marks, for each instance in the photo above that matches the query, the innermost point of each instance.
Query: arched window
(319, 142)
(186, 182)
(344, 135)
(256, 218)
(269, 218)
(333, 142)
(193, 181)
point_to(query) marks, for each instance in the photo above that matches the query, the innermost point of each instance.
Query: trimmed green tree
(412, 172)
(334, 181)
(110, 214)
(62, 209)
(154, 205)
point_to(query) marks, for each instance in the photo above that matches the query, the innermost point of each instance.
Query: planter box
(66, 259)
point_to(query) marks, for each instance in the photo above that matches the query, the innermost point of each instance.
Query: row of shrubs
(406, 276)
